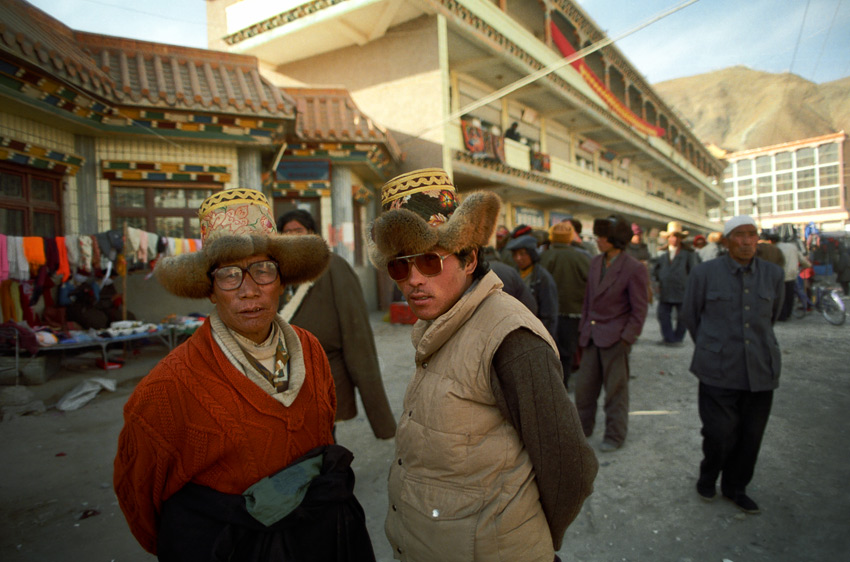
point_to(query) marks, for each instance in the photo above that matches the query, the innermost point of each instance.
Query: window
(829, 197)
(828, 175)
(728, 189)
(783, 161)
(168, 209)
(744, 168)
(763, 165)
(30, 202)
(806, 200)
(745, 207)
(784, 202)
(805, 157)
(745, 188)
(805, 178)
(784, 182)
(827, 153)
(764, 184)
(765, 204)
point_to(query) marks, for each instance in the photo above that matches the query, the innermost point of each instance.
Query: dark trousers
(665, 313)
(609, 368)
(733, 423)
(567, 344)
(788, 302)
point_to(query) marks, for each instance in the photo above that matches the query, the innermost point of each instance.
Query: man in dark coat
(569, 266)
(670, 270)
(612, 317)
(730, 307)
(513, 284)
(524, 251)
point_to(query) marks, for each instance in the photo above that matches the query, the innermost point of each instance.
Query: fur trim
(402, 232)
(301, 258)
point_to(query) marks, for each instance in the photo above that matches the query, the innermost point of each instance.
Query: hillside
(739, 108)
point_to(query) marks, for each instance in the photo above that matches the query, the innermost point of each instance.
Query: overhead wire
(825, 39)
(791, 67)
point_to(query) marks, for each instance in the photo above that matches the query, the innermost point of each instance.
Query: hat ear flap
(473, 223)
(185, 277)
(401, 230)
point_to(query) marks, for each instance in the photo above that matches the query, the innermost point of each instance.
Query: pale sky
(811, 38)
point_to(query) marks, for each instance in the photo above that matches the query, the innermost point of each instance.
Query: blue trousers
(665, 314)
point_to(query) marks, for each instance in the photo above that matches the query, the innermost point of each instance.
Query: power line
(152, 14)
(825, 39)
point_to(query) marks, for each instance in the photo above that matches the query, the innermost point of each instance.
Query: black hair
(298, 215)
(615, 229)
(481, 268)
(576, 224)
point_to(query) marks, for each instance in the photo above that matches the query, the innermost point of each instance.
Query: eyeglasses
(230, 278)
(429, 264)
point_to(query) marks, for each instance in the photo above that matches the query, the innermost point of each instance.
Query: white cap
(735, 222)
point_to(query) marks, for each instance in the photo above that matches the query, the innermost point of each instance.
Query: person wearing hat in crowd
(333, 309)
(512, 283)
(768, 250)
(639, 250)
(490, 462)
(712, 247)
(795, 259)
(502, 237)
(730, 308)
(537, 278)
(226, 450)
(569, 266)
(589, 245)
(670, 271)
(699, 242)
(612, 317)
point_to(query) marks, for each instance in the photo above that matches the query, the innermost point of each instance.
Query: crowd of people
(228, 448)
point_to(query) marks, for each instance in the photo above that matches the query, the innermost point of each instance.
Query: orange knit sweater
(196, 418)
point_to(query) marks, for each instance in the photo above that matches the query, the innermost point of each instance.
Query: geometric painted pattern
(164, 171)
(29, 154)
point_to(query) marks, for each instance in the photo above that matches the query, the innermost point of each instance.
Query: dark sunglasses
(230, 278)
(429, 264)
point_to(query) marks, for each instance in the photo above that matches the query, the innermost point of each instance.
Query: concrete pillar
(250, 168)
(86, 178)
(342, 212)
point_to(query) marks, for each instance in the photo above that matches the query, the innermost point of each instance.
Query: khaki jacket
(461, 486)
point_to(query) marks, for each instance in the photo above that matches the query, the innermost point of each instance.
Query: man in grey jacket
(670, 270)
(730, 307)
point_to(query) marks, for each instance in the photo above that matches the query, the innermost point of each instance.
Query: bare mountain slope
(739, 108)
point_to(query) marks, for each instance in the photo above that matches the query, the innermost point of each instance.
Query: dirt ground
(57, 503)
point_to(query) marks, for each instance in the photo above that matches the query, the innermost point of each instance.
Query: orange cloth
(64, 267)
(34, 252)
(193, 246)
(196, 418)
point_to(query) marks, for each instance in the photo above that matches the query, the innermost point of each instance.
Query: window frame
(150, 212)
(30, 207)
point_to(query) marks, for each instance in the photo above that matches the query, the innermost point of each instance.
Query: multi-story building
(798, 183)
(442, 76)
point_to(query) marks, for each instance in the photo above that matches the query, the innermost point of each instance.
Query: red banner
(598, 86)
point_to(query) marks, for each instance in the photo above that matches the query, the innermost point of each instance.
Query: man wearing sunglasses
(490, 462)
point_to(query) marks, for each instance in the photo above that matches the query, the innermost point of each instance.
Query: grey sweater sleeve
(528, 385)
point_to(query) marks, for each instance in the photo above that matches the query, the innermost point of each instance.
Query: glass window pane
(766, 204)
(194, 229)
(806, 200)
(44, 224)
(136, 222)
(744, 167)
(728, 189)
(828, 153)
(194, 197)
(764, 184)
(12, 222)
(130, 197)
(784, 182)
(11, 185)
(783, 161)
(763, 164)
(169, 198)
(805, 178)
(785, 202)
(829, 197)
(42, 190)
(745, 188)
(805, 157)
(170, 226)
(829, 175)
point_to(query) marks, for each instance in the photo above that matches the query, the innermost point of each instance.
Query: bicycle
(827, 301)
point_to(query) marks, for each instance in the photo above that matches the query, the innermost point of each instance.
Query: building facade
(798, 183)
(592, 138)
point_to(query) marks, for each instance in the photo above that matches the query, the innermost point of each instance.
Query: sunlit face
(742, 243)
(521, 258)
(674, 240)
(249, 310)
(431, 297)
(294, 227)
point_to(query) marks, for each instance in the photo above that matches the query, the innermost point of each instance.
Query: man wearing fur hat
(569, 266)
(730, 307)
(490, 461)
(612, 317)
(243, 406)
(670, 270)
(527, 259)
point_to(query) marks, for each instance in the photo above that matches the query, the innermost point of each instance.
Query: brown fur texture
(402, 232)
(301, 258)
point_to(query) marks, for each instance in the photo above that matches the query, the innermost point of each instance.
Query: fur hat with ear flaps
(420, 211)
(237, 224)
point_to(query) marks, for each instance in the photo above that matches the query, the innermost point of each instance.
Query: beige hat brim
(301, 258)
